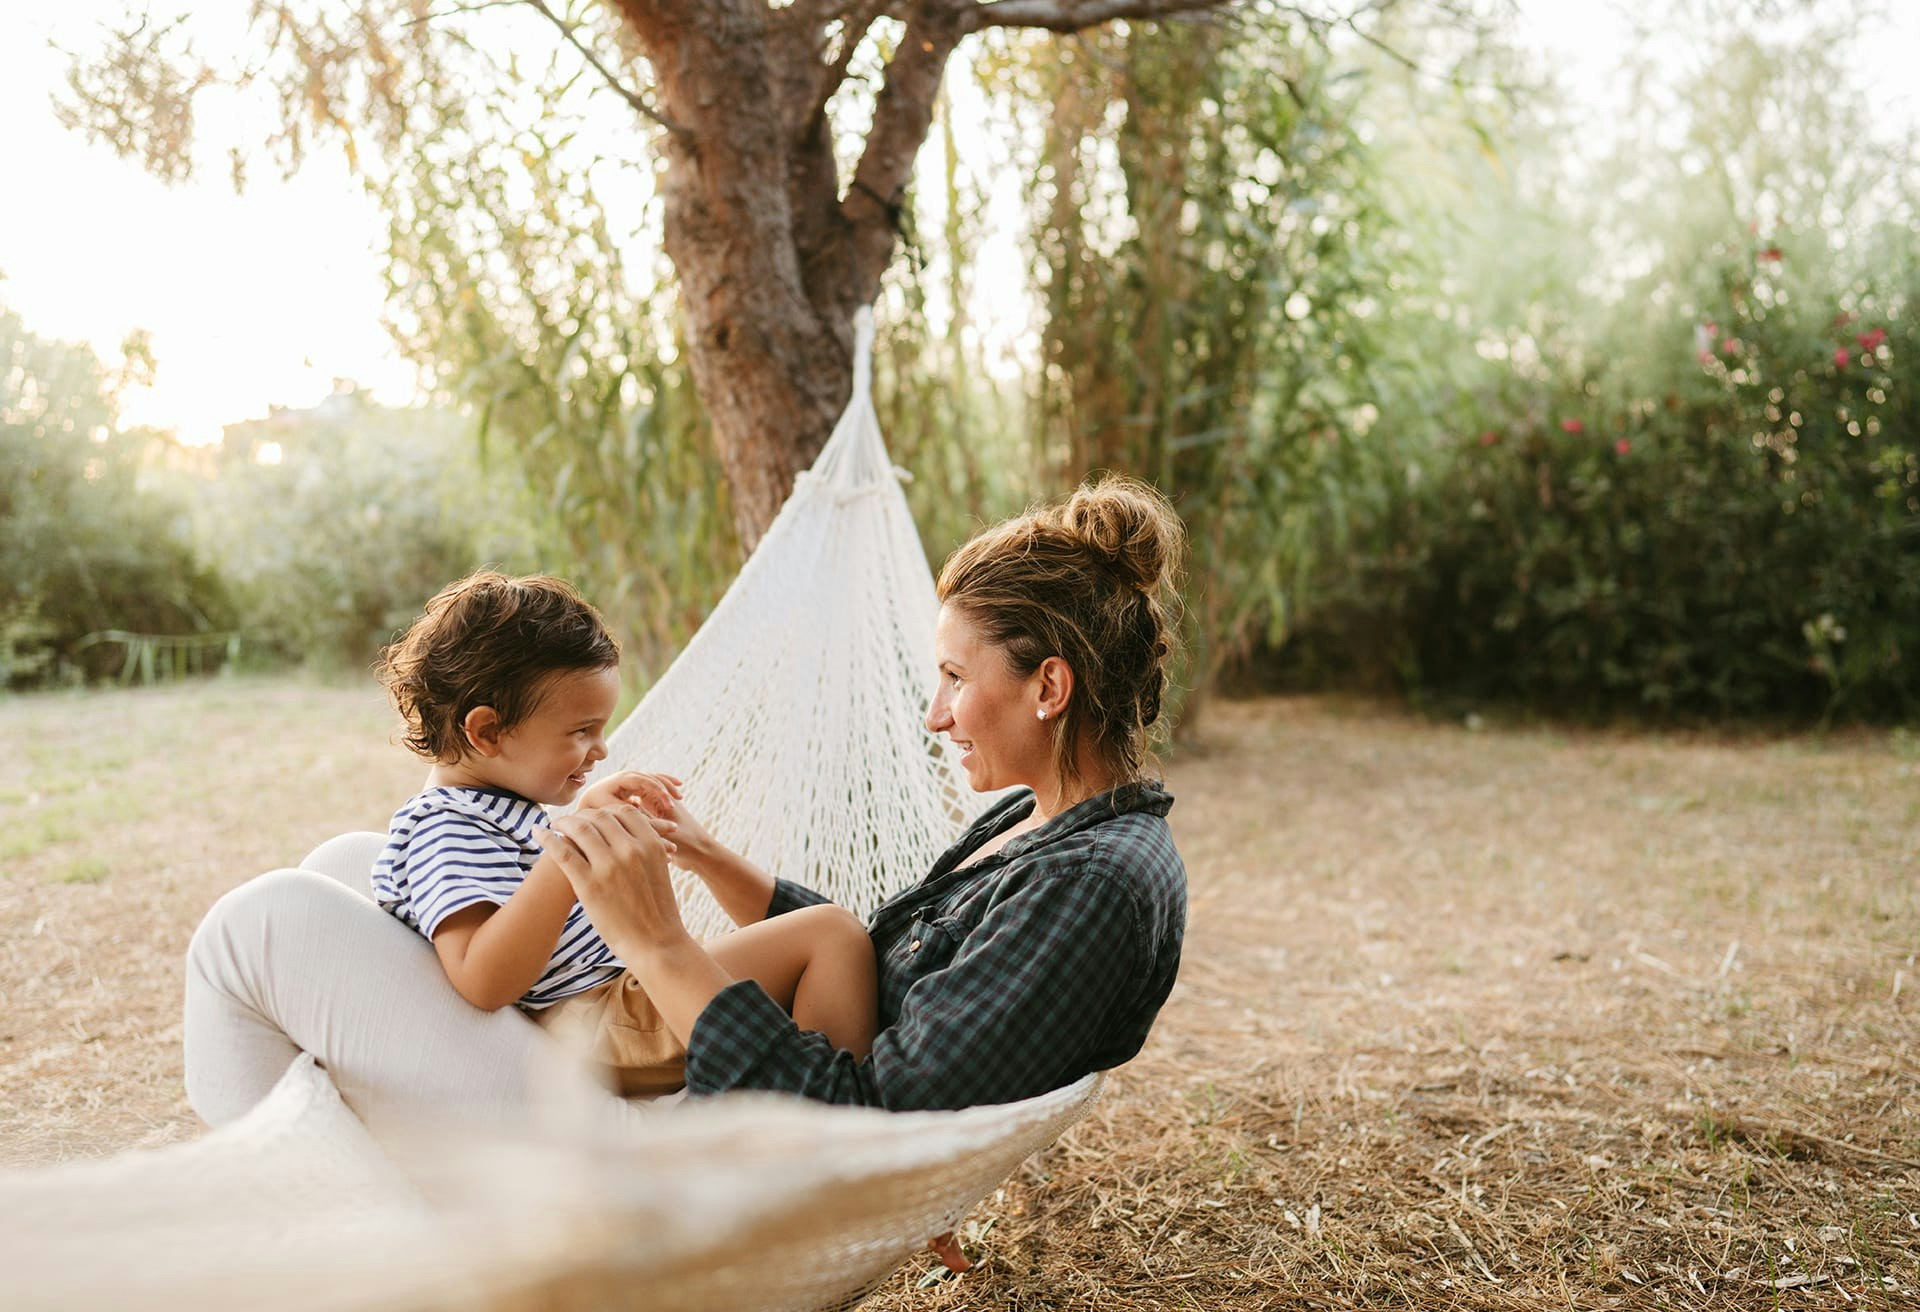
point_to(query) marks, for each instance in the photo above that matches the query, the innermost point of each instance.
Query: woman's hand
(616, 860)
(693, 845)
(659, 796)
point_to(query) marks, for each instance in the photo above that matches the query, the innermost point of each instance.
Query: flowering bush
(1731, 533)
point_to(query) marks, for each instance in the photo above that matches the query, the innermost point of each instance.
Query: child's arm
(493, 953)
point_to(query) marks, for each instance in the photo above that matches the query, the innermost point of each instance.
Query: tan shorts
(617, 1028)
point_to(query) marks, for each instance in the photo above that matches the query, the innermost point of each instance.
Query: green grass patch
(86, 870)
(33, 839)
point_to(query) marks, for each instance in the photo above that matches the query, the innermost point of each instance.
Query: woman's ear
(481, 729)
(1056, 687)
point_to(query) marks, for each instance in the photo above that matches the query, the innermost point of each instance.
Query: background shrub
(1683, 474)
(81, 548)
(334, 525)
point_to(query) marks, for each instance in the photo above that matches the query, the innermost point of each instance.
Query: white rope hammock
(794, 716)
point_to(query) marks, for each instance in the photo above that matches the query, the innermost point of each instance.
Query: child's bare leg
(817, 962)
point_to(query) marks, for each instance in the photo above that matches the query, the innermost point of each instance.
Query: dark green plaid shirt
(999, 981)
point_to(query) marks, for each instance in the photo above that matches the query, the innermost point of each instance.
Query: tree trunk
(773, 260)
(772, 363)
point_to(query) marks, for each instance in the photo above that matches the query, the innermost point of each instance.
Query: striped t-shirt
(450, 848)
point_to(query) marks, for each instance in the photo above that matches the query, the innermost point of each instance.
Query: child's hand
(655, 794)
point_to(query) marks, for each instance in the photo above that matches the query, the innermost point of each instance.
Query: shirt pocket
(930, 943)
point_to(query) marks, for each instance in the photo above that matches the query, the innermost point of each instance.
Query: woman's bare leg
(817, 962)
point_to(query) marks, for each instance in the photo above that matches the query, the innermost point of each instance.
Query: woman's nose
(937, 717)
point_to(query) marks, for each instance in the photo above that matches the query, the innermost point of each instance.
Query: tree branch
(856, 18)
(639, 102)
(1075, 15)
(813, 13)
(901, 115)
(455, 11)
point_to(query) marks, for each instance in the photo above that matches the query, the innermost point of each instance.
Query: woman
(1039, 948)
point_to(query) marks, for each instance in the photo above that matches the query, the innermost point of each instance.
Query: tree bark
(772, 365)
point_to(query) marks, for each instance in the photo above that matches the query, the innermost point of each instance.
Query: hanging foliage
(1213, 254)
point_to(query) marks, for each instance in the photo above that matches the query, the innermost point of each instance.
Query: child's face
(545, 757)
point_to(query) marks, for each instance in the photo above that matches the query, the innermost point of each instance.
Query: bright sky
(253, 299)
(266, 298)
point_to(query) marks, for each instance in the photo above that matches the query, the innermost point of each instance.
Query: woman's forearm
(616, 862)
(742, 888)
(680, 980)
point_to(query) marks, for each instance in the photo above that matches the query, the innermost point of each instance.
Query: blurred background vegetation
(1462, 396)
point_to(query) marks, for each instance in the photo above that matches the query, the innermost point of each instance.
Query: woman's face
(989, 712)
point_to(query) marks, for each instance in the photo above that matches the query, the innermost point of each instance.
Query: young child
(506, 686)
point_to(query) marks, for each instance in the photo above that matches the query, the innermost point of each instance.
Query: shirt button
(914, 946)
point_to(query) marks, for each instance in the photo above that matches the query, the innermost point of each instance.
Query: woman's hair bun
(1094, 581)
(1131, 526)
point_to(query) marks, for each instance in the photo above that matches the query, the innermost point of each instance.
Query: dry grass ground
(1511, 1019)
(123, 815)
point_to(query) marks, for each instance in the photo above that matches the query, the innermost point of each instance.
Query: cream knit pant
(302, 961)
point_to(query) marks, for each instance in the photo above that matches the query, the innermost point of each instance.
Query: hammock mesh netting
(795, 715)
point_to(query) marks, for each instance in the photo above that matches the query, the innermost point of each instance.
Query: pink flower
(1870, 341)
(1841, 357)
(1706, 357)
(1729, 346)
(1489, 437)
(1771, 255)
(1572, 426)
(1713, 330)
(1622, 446)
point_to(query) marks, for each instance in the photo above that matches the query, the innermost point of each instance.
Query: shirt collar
(1148, 795)
(479, 790)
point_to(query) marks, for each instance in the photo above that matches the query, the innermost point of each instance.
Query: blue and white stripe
(450, 848)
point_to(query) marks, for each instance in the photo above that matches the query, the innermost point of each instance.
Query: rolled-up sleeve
(1021, 1008)
(789, 896)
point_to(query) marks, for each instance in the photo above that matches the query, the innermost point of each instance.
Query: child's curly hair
(488, 640)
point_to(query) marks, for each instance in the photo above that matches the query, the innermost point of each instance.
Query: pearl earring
(1042, 713)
